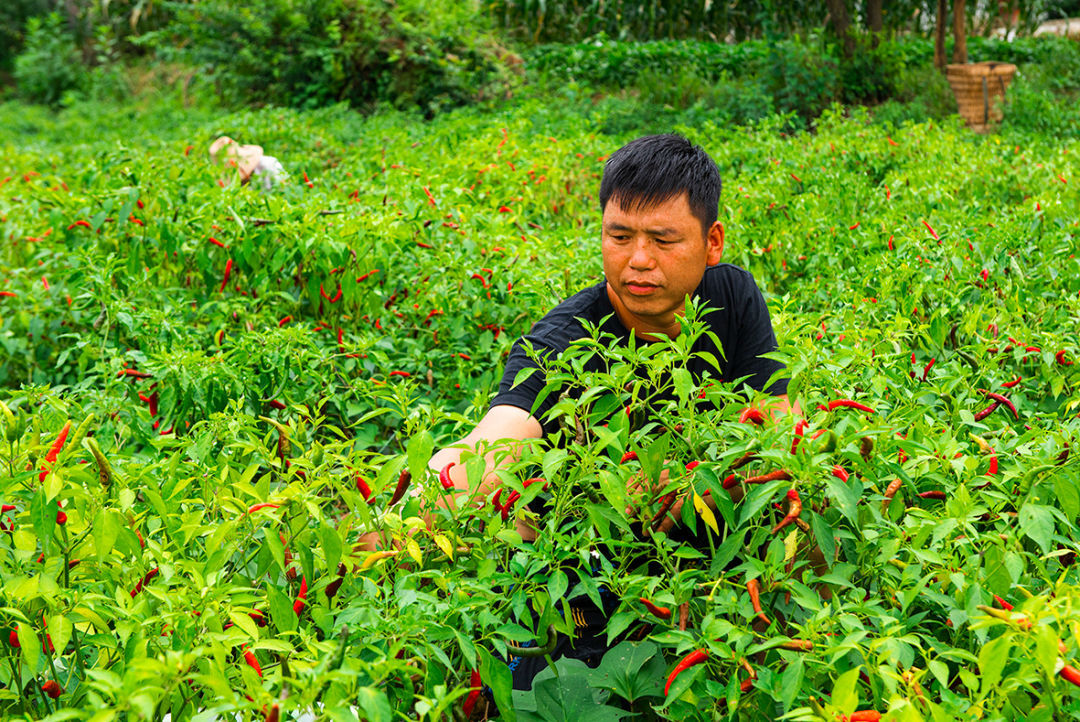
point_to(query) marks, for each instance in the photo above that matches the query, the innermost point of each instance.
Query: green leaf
(497, 675)
(281, 609)
(375, 705)
(845, 496)
(1037, 522)
(632, 670)
(106, 527)
(843, 695)
(31, 646)
(332, 547)
(992, 658)
(418, 451)
(823, 533)
(1067, 495)
(558, 583)
(791, 683)
(43, 519)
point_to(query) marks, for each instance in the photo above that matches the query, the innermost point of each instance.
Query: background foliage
(885, 260)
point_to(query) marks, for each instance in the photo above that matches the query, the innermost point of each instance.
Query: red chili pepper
(993, 463)
(84, 224)
(363, 488)
(778, 475)
(696, 657)
(690, 466)
(307, 181)
(1060, 358)
(628, 456)
(264, 505)
(52, 688)
(849, 404)
(444, 477)
(1014, 382)
(367, 275)
(216, 242)
(840, 473)
(402, 486)
(508, 505)
(504, 209)
(61, 517)
(403, 374)
(752, 415)
(1004, 605)
(284, 321)
(253, 661)
(983, 413)
(794, 510)
(800, 429)
(474, 694)
(225, 278)
(865, 715)
(753, 588)
(658, 612)
(273, 715)
(931, 229)
(797, 178)
(54, 450)
(747, 684)
(431, 198)
(340, 335)
(133, 373)
(927, 367)
(1071, 674)
(144, 581)
(301, 598)
(1001, 399)
(933, 495)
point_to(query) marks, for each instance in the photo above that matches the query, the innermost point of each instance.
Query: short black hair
(656, 168)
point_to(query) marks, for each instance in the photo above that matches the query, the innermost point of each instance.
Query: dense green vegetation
(909, 268)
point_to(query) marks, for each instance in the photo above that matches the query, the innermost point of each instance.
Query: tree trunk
(841, 22)
(874, 21)
(959, 53)
(939, 34)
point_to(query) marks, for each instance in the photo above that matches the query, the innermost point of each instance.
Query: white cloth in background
(268, 172)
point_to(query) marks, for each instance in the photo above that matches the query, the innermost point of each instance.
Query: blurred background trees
(740, 59)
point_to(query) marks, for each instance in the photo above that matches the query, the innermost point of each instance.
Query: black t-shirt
(738, 317)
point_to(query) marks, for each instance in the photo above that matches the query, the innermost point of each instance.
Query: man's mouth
(640, 288)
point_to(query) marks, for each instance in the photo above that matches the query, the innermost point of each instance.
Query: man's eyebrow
(613, 226)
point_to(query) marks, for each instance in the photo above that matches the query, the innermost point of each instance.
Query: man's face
(653, 258)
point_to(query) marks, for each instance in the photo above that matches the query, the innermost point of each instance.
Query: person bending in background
(249, 161)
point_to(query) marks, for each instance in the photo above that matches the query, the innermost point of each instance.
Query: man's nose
(642, 257)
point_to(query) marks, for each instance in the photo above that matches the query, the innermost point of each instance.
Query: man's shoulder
(726, 286)
(727, 274)
(563, 324)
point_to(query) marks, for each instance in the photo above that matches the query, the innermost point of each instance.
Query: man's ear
(714, 244)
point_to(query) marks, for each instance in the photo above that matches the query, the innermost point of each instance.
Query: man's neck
(647, 329)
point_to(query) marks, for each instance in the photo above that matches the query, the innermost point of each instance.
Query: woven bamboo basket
(980, 91)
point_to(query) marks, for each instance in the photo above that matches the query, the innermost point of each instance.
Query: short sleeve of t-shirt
(738, 316)
(740, 320)
(551, 334)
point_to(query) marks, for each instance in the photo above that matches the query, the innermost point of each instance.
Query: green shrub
(311, 53)
(13, 17)
(1032, 107)
(49, 67)
(802, 79)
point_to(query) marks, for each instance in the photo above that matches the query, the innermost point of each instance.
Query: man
(660, 241)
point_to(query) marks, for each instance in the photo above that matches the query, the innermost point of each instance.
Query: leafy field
(224, 348)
